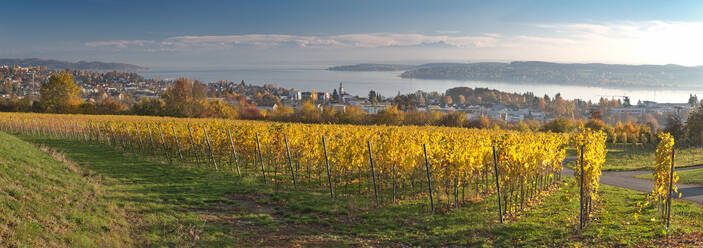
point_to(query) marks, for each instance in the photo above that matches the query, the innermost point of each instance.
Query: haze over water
(387, 83)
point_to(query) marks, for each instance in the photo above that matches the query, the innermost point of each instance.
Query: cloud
(255, 40)
(121, 44)
(369, 40)
(621, 42)
(446, 31)
(532, 40)
(655, 41)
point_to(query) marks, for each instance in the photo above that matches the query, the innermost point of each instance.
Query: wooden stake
(429, 178)
(290, 161)
(581, 215)
(194, 147)
(234, 154)
(373, 173)
(178, 145)
(495, 166)
(327, 164)
(671, 191)
(258, 149)
(209, 147)
(151, 140)
(163, 144)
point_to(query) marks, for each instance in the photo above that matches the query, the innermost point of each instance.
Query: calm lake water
(389, 83)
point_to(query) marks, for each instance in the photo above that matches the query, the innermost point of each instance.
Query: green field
(692, 176)
(140, 201)
(642, 157)
(45, 201)
(639, 157)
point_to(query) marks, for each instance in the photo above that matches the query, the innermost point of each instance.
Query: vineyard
(388, 164)
(510, 174)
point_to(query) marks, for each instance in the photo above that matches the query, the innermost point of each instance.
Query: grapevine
(460, 160)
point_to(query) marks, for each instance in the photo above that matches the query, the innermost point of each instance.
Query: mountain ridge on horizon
(589, 74)
(80, 65)
(370, 65)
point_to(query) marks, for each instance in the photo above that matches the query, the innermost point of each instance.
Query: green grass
(642, 157)
(182, 206)
(45, 202)
(692, 176)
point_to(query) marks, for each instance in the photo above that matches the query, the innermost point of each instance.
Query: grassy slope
(628, 157)
(182, 206)
(692, 176)
(46, 202)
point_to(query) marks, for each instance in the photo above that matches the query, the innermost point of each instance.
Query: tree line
(186, 98)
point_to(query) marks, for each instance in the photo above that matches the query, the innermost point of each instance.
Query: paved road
(626, 179)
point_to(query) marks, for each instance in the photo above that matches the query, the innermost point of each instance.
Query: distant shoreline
(77, 66)
(616, 76)
(396, 74)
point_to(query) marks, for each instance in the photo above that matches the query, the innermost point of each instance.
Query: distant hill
(594, 74)
(80, 65)
(388, 67)
(372, 67)
(602, 75)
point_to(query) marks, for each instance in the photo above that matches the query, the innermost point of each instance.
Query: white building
(374, 109)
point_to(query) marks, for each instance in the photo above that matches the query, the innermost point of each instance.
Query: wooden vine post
(261, 159)
(429, 177)
(234, 154)
(178, 145)
(163, 144)
(151, 140)
(194, 146)
(495, 167)
(373, 173)
(290, 161)
(327, 164)
(139, 137)
(209, 147)
(581, 213)
(671, 190)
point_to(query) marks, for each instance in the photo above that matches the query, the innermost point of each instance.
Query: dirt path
(626, 179)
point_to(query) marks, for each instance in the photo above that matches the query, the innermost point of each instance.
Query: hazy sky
(177, 34)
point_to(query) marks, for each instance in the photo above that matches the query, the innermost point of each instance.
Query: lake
(389, 83)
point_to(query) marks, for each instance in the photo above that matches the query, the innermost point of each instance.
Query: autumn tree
(542, 104)
(109, 106)
(694, 125)
(675, 126)
(186, 99)
(558, 125)
(309, 113)
(149, 106)
(462, 99)
(390, 116)
(693, 100)
(421, 100)
(352, 115)
(453, 119)
(373, 97)
(60, 94)
(220, 109)
(448, 100)
(421, 118)
(282, 113)
(562, 107)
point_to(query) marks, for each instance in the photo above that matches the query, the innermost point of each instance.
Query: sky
(223, 34)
